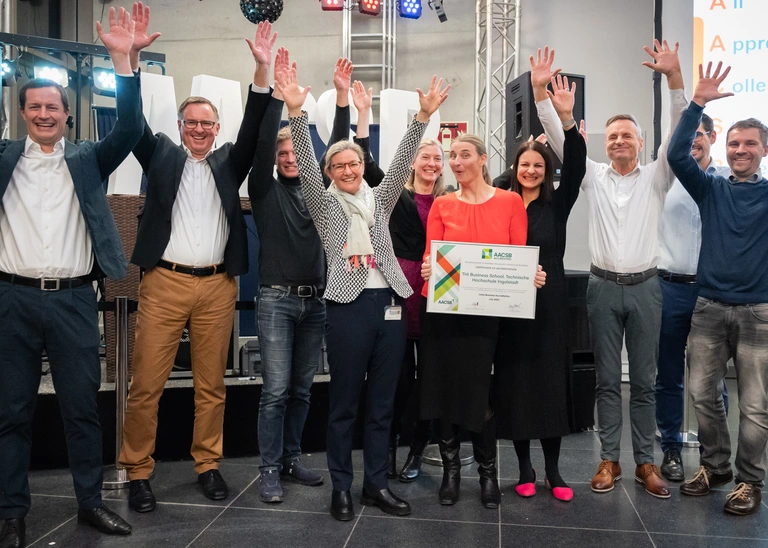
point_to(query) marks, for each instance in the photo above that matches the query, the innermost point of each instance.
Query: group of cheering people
(344, 255)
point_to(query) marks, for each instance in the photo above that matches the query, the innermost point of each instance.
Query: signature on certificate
(514, 307)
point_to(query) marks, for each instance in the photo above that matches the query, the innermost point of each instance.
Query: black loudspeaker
(522, 119)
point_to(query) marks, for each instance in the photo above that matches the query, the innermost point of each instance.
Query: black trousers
(64, 323)
(361, 342)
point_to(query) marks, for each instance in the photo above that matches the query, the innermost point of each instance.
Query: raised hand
(708, 87)
(282, 64)
(119, 40)
(342, 75)
(261, 46)
(141, 21)
(362, 99)
(562, 98)
(431, 101)
(665, 59)
(541, 68)
(583, 132)
(287, 83)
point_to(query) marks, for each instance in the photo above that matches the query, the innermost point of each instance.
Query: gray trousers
(718, 332)
(634, 311)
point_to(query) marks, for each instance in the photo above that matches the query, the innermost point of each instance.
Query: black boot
(484, 448)
(392, 464)
(419, 441)
(449, 451)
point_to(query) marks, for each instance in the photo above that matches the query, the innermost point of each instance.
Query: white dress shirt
(680, 228)
(199, 226)
(624, 210)
(42, 230)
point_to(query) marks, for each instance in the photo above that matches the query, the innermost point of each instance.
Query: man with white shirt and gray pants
(625, 202)
(679, 243)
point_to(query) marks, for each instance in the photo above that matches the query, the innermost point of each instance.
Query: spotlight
(103, 81)
(8, 70)
(57, 74)
(437, 5)
(261, 10)
(410, 9)
(370, 7)
(332, 5)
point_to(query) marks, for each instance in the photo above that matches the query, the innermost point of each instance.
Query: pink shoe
(560, 493)
(527, 490)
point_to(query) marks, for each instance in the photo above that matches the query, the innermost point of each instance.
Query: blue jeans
(679, 300)
(718, 332)
(291, 332)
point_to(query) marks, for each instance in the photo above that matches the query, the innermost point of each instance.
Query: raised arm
(575, 149)
(342, 77)
(309, 170)
(541, 75)
(141, 40)
(363, 100)
(397, 174)
(695, 180)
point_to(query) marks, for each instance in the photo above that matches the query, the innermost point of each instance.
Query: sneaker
(672, 466)
(704, 480)
(294, 471)
(270, 489)
(743, 500)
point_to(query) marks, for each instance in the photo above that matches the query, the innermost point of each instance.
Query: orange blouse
(500, 220)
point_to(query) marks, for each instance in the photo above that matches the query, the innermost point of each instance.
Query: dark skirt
(455, 367)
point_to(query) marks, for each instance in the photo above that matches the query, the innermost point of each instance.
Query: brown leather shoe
(608, 472)
(704, 480)
(649, 475)
(743, 500)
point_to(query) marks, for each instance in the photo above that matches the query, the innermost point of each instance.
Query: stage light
(104, 81)
(57, 74)
(410, 9)
(370, 7)
(8, 70)
(437, 5)
(332, 5)
(257, 11)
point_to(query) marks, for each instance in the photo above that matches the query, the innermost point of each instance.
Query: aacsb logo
(487, 253)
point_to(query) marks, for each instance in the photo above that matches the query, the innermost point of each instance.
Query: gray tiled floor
(626, 516)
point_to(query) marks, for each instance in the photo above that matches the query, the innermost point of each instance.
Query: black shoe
(743, 500)
(12, 534)
(341, 505)
(672, 466)
(387, 501)
(141, 498)
(298, 473)
(449, 452)
(704, 480)
(412, 467)
(484, 449)
(214, 486)
(105, 520)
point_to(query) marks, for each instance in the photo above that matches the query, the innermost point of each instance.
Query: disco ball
(261, 10)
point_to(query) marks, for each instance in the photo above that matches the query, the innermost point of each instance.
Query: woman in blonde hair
(408, 227)
(365, 288)
(458, 350)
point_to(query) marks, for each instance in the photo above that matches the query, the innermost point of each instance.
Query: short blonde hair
(479, 145)
(284, 134)
(439, 188)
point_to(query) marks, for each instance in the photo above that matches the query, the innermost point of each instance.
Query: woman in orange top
(457, 350)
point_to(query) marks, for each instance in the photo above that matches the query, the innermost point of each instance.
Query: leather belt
(47, 284)
(197, 271)
(677, 278)
(303, 291)
(630, 278)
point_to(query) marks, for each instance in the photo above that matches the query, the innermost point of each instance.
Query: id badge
(393, 312)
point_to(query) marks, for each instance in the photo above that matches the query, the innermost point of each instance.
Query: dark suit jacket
(89, 164)
(163, 162)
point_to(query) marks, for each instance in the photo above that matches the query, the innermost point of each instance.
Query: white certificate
(483, 279)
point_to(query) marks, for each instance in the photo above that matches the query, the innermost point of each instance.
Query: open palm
(119, 40)
(541, 67)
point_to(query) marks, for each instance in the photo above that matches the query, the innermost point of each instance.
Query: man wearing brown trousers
(192, 243)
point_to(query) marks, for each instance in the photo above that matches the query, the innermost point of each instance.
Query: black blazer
(408, 234)
(163, 162)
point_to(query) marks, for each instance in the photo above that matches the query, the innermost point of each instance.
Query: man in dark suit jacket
(56, 234)
(192, 243)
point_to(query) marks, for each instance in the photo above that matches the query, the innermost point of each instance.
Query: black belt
(46, 284)
(677, 278)
(197, 271)
(630, 278)
(303, 291)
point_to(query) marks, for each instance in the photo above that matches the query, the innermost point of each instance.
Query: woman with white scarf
(365, 292)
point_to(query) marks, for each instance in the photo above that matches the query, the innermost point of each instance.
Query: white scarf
(359, 209)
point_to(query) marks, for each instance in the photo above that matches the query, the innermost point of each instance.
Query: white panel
(396, 111)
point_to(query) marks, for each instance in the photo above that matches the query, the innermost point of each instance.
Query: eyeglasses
(339, 168)
(192, 124)
(699, 135)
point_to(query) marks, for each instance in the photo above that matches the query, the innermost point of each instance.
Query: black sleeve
(574, 168)
(145, 148)
(340, 131)
(244, 148)
(504, 181)
(266, 148)
(373, 173)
